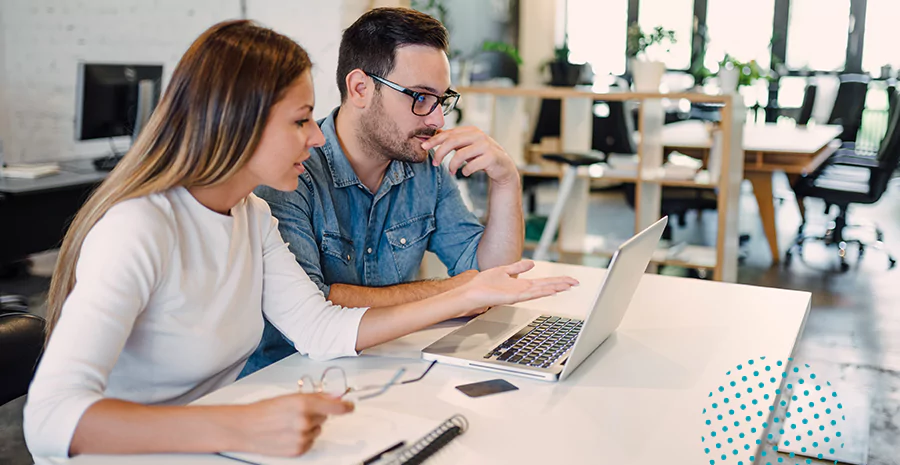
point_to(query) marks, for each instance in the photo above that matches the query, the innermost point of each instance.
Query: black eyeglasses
(424, 103)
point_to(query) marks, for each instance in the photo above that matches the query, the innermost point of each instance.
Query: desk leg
(762, 189)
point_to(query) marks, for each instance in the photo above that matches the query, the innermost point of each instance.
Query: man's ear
(359, 88)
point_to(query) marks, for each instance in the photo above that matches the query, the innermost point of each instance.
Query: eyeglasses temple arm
(386, 386)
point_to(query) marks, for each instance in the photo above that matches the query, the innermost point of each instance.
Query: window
(817, 34)
(597, 31)
(743, 31)
(677, 15)
(879, 45)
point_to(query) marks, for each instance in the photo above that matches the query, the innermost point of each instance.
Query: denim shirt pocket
(409, 240)
(337, 247)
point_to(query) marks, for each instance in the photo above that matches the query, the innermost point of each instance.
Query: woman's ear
(359, 90)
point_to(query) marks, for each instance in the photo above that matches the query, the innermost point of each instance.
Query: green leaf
(507, 49)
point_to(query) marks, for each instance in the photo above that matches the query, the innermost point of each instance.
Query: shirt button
(403, 240)
(348, 257)
(369, 250)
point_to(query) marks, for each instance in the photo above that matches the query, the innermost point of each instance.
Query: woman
(162, 281)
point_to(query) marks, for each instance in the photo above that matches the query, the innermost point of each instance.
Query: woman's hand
(287, 425)
(498, 286)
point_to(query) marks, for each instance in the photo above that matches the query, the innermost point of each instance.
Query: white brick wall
(44, 41)
(317, 26)
(41, 42)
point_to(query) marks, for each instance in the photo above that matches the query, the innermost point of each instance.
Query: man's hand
(478, 151)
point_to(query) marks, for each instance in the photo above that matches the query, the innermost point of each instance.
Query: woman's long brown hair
(205, 128)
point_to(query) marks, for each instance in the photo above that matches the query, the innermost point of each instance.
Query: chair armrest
(854, 160)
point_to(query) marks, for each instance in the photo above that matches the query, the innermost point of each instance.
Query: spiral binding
(432, 442)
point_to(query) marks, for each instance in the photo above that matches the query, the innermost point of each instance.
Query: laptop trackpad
(479, 333)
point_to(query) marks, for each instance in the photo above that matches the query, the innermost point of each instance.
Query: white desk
(764, 138)
(637, 400)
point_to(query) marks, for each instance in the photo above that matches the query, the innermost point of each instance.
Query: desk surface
(74, 173)
(769, 138)
(637, 400)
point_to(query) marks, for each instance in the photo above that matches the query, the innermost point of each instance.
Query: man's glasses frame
(447, 101)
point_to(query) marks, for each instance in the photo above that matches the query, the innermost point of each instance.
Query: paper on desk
(33, 171)
(354, 437)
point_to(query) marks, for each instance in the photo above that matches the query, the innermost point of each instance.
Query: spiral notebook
(356, 437)
(429, 444)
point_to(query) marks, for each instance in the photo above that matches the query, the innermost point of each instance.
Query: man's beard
(380, 137)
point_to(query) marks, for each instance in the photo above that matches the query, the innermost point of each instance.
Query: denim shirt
(341, 232)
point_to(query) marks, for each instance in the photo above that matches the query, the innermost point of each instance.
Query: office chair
(13, 304)
(608, 135)
(806, 108)
(21, 343)
(612, 133)
(847, 178)
(10, 303)
(849, 104)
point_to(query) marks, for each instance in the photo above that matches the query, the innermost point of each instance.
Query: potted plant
(734, 73)
(644, 51)
(564, 73)
(504, 48)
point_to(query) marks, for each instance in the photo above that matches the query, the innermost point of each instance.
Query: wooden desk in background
(767, 148)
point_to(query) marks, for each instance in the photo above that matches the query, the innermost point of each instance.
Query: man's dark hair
(371, 43)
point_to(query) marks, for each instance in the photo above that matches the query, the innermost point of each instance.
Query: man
(375, 197)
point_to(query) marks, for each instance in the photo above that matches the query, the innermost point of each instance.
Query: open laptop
(527, 342)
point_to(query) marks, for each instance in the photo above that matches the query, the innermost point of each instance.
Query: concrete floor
(852, 336)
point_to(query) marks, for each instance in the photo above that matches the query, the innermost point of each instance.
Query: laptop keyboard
(540, 344)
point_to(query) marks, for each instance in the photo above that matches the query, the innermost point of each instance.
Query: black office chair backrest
(548, 121)
(21, 344)
(849, 104)
(611, 133)
(806, 108)
(613, 128)
(892, 102)
(888, 155)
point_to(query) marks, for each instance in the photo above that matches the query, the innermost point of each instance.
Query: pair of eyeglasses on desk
(334, 382)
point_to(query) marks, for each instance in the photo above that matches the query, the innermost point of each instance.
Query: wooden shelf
(678, 183)
(507, 118)
(700, 181)
(588, 92)
(687, 256)
(558, 174)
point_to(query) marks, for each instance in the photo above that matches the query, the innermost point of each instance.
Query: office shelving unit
(506, 120)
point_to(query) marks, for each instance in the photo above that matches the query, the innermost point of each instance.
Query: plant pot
(647, 75)
(565, 74)
(728, 79)
(460, 72)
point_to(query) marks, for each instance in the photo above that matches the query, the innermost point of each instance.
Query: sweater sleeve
(298, 308)
(121, 259)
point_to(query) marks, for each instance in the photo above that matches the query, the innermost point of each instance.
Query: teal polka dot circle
(785, 402)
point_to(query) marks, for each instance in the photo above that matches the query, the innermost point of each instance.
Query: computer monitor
(115, 99)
